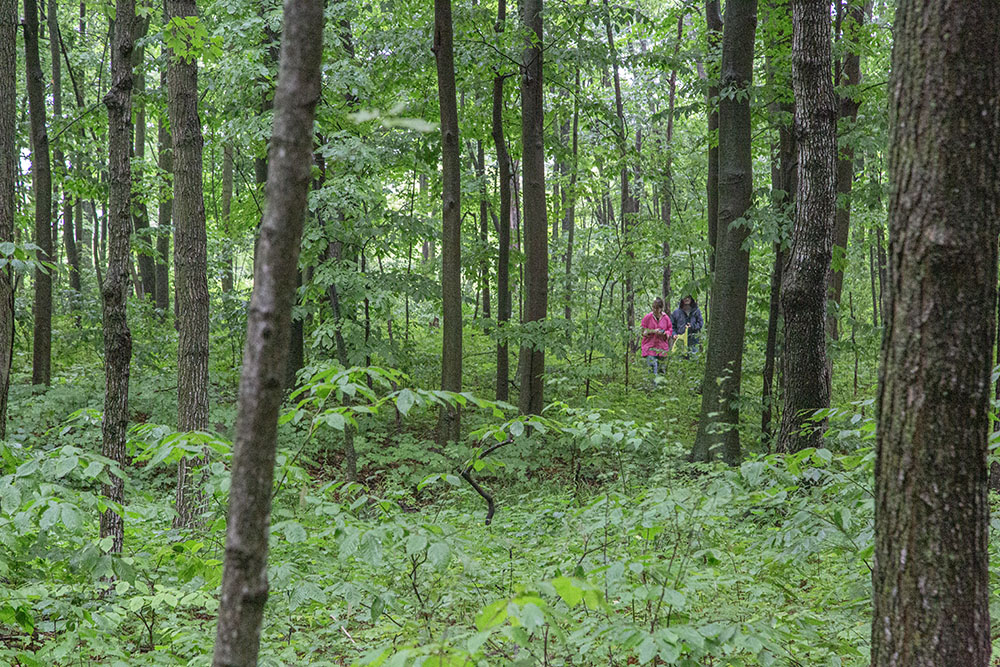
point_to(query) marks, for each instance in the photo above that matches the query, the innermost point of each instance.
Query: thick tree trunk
(165, 200)
(848, 113)
(806, 274)
(8, 152)
(117, 337)
(244, 578)
(931, 579)
(41, 186)
(718, 426)
(190, 263)
(713, 19)
(451, 215)
(531, 364)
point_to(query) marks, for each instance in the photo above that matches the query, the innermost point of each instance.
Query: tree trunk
(931, 579)
(190, 263)
(140, 213)
(569, 219)
(531, 364)
(41, 186)
(451, 215)
(164, 213)
(713, 19)
(666, 188)
(806, 275)
(244, 578)
(8, 152)
(117, 337)
(503, 225)
(72, 254)
(484, 214)
(848, 113)
(718, 426)
(227, 205)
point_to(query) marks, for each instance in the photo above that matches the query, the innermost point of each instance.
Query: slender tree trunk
(806, 276)
(227, 206)
(713, 18)
(569, 221)
(41, 187)
(244, 578)
(140, 212)
(503, 235)
(718, 427)
(72, 255)
(117, 337)
(8, 152)
(667, 187)
(451, 213)
(849, 103)
(484, 214)
(931, 578)
(190, 263)
(531, 364)
(165, 200)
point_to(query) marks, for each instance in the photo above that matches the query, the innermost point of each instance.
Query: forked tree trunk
(41, 186)
(531, 364)
(931, 578)
(451, 216)
(244, 575)
(806, 275)
(718, 426)
(190, 264)
(8, 96)
(117, 337)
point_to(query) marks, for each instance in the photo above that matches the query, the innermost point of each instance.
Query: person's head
(688, 303)
(657, 305)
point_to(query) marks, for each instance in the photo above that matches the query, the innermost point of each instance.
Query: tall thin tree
(451, 215)
(41, 187)
(117, 337)
(931, 577)
(503, 224)
(806, 274)
(190, 255)
(536, 250)
(8, 152)
(244, 574)
(718, 426)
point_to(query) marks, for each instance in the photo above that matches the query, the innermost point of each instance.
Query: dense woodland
(320, 332)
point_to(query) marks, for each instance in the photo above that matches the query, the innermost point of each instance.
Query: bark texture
(41, 187)
(190, 262)
(713, 19)
(720, 415)
(117, 337)
(451, 217)
(503, 224)
(806, 274)
(165, 200)
(531, 364)
(931, 577)
(8, 95)
(244, 578)
(140, 212)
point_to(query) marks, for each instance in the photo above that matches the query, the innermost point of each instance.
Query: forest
(477, 332)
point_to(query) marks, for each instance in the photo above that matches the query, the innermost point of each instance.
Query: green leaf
(71, 517)
(50, 517)
(516, 428)
(415, 544)
(405, 400)
(65, 465)
(492, 615)
(93, 469)
(571, 594)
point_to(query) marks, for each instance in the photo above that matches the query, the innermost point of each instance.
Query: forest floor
(607, 547)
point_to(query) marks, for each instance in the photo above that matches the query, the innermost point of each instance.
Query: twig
(467, 476)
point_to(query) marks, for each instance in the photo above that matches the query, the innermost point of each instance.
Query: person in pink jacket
(656, 332)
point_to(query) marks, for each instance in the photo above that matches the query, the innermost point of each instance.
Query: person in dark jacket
(687, 317)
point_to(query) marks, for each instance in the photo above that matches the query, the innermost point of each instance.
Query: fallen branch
(467, 476)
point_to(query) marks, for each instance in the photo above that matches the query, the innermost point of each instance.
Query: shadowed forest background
(473, 463)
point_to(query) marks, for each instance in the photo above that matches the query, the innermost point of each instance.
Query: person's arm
(697, 323)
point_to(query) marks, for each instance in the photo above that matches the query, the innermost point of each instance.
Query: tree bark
(451, 216)
(117, 337)
(718, 427)
(569, 219)
(140, 213)
(165, 200)
(227, 206)
(931, 580)
(244, 578)
(484, 214)
(190, 263)
(8, 153)
(849, 102)
(41, 186)
(503, 225)
(713, 20)
(806, 274)
(531, 364)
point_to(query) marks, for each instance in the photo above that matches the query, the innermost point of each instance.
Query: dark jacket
(681, 319)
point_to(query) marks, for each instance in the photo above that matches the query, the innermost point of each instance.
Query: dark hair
(657, 300)
(694, 304)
